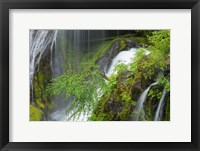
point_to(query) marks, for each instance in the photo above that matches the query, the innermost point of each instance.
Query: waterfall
(69, 48)
(64, 47)
(124, 57)
(139, 111)
(159, 110)
(40, 41)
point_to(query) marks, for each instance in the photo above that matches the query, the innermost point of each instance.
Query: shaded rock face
(132, 44)
(136, 90)
(113, 106)
(106, 60)
(167, 71)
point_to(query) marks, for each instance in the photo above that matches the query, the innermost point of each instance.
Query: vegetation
(35, 113)
(88, 90)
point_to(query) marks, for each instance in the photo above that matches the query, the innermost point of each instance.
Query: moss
(39, 103)
(122, 45)
(35, 113)
(99, 51)
(41, 78)
(118, 105)
(142, 40)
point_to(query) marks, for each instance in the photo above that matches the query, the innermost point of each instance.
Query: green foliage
(112, 82)
(160, 41)
(156, 59)
(82, 84)
(155, 93)
(135, 65)
(164, 81)
(125, 96)
(148, 63)
(121, 67)
(88, 91)
(35, 113)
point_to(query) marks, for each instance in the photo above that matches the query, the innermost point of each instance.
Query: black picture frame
(5, 5)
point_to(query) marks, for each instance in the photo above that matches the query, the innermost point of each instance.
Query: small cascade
(139, 111)
(124, 57)
(159, 110)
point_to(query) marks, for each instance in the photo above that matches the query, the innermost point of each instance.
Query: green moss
(134, 103)
(99, 51)
(117, 105)
(142, 40)
(37, 90)
(41, 79)
(122, 45)
(39, 103)
(35, 113)
(123, 89)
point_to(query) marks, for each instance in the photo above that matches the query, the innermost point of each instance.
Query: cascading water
(66, 47)
(139, 111)
(70, 45)
(40, 41)
(124, 57)
(159, 110)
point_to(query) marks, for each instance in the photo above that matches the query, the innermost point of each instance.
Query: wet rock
(106, 60)
(132, 44)
(136, 90)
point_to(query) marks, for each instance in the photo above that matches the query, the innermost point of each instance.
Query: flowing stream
(139, 111)
(159, 110)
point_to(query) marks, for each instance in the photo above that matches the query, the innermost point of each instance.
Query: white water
(38, 44)
(124, 57)
(39, 41)
(61, 115)
(159, 110)
(139, 111)
(42, 40)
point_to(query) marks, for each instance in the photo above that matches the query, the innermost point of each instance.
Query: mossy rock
(118, 105)
(40, 80)
(35, 113)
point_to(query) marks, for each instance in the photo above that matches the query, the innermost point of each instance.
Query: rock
(106, 60)
(136, 90)
(132, 44)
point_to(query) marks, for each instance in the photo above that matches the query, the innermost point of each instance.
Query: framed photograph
(99, 75)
